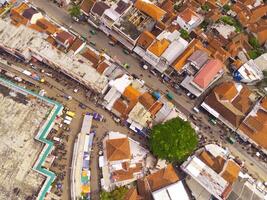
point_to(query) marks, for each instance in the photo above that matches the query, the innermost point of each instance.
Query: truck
(70, 113)
(26, 72)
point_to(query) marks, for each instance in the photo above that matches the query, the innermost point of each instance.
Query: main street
(181, 101)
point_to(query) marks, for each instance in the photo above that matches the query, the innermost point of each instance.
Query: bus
(70, 113)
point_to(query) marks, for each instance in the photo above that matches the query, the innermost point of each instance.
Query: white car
(49, 74)
(75, 90)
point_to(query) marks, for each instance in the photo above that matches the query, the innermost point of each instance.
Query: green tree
(226, 7)
(184, 34)
(173, 140)
(117, 194)
(253, 41)
(74, 11)
(205, 7)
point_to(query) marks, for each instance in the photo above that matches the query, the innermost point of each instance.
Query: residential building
(180, 61)
(124, 161)
(117, 87)
(249, 73)
(64, 38)
(229, 102)
(188, 19)
(204, 78)
(253, 127)
(162, 184)
(86, 7)
(213, 170)
(162, 50)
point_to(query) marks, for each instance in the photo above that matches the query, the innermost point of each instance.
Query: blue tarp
(237, 76)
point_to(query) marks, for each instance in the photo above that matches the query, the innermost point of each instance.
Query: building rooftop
(231, 101)
(207, 73)
(162, 178)
(86, 6)
(99, 8)
(158, 47)
(118, 149)
(147, 100)
(255, 124)
(145, 40)
(150, 9)
(29, 43)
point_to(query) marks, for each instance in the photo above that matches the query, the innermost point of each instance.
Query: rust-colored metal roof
(147, 100)
(159, 46)
(231, 171)
(162, 178)
(145, 40)
(118, 149)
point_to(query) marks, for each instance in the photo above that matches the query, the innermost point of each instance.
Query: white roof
(101, 161)
(121, 83)
(250, 72)
(216, 150)
(86, 125)
(210, 110)
(175, 49)
(112, 14)
(261, 61)
(175, 191)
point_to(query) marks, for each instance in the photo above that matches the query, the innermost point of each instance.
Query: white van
(66, 122)
(68, 118)
(196, 109)
(57, 139)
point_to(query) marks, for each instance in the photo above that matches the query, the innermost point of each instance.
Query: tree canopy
(75, 11)
(117, 194)
(173, 140)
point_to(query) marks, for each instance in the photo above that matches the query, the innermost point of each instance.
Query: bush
(117, 194)
(226, 7)
(205, 7)
(232, 22)
(184, 34)
(253, 41)
(173, 140)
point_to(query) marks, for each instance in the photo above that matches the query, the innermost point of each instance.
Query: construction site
(22, 117)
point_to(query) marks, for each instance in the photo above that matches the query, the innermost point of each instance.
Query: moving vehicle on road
(196, 109)
(82, 106)
(126, 65)
(49, 74)
(231, 140)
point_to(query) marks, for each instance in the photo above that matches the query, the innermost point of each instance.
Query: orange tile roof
(118, 149)
(86, 6)
(162, 178)
(150, 9)
(145, 39)
(131, 194)
(21, 8)
(258, 13)
(155, 108)
(147, 100)
(231, 171)
(47, 26)
(125, 174)
(159, 46)
(120, 106)
(192, 47)
(233, 110)
(187, 15)
(91, 56)
(255, 126)
(101, 67)
(216, 164)
(76, 44)
(262, 36)
(131, 94)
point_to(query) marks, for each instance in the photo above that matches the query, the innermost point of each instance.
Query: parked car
(145, 67)
(92, 43)
(125, 51)
(49, 74)
(153, 72)
(111, 43)
(93, 32)
(82, 106)
(75, 90)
